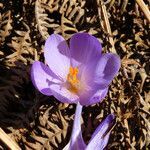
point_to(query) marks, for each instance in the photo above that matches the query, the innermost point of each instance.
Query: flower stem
(76, 124)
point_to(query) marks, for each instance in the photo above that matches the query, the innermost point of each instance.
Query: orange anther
(72, 79)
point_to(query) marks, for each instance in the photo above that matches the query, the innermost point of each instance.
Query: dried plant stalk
(106, 24)
(8, 141)
(144, 8)
(124, 5)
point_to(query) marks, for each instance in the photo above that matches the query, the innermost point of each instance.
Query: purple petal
(62, 94)
(42, 77)
(100, 137)
(100, 72)
(67, 147)
(84, 47)
(76, 141)
(99, 95)
(56, 54)
(92, 92)
(107, 67)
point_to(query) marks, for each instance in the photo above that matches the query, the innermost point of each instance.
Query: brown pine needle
(8, 141)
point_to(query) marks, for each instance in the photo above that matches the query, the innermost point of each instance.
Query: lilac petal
(100, 137)
(107, 67)
(56, 54)
(67, 147)
(42, 77)
(76, 141)
(84, 47)
(95, 98)
(63, 94)
(100, 72)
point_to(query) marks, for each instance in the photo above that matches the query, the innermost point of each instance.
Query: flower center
(72, 79)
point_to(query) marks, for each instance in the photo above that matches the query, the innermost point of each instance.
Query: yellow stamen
(73, 80)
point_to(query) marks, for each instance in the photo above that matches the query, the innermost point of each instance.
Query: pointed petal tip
(101, 135)
(111, 116)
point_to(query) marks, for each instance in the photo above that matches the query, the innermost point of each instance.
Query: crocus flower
(99, 138)
(79, 73)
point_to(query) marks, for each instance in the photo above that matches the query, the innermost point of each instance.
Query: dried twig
(124, 5)
(8, 141)
(106, 23)
(144, 8)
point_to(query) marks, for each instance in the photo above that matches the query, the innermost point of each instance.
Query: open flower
(99, 138)
(80, 73)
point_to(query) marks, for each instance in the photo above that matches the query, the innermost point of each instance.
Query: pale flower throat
(72, 80)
